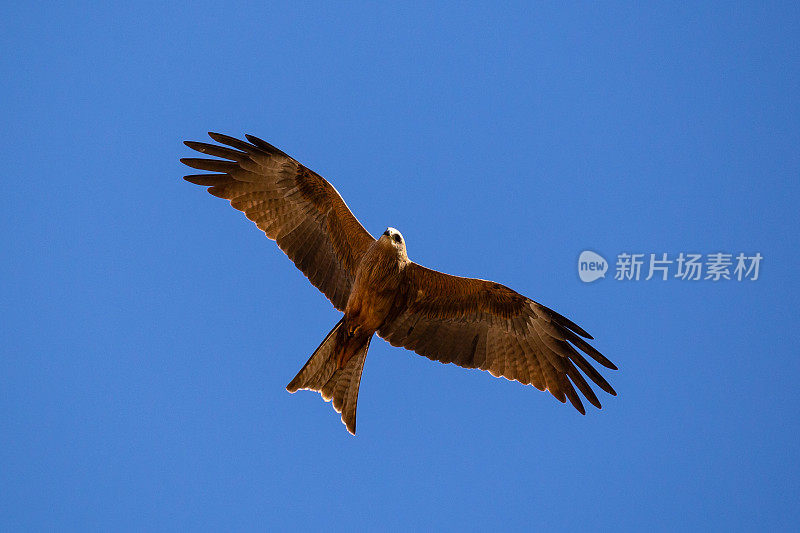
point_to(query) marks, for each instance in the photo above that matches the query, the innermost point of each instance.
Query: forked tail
(321, 373)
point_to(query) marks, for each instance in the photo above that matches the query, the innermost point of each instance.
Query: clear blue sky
(149, 329)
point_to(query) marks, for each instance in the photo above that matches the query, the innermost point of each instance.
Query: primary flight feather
(470, 322)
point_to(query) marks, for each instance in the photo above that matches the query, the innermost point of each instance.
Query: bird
(470, 322)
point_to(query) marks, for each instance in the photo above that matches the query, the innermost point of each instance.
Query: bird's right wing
(293, 205)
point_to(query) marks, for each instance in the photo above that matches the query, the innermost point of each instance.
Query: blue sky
(149, 329)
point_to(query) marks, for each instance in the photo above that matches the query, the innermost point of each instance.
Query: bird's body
(470, 322)
(377, 281)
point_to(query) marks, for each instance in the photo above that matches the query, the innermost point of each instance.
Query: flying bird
(472, 323)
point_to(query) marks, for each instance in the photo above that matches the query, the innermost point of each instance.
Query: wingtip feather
(231, 141)
(263, 145)
(208, 180)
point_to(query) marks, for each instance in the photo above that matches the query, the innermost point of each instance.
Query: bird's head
(393, 237)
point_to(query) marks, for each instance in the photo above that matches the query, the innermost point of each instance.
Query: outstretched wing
(480, 324)
(293, 205)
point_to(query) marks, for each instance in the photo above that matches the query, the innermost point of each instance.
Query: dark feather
(264, 145)
(216, 151)
(591, 350)
(208, 180)
(214, 165)
(232, 141)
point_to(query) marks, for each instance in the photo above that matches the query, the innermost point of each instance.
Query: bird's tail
(322, 373)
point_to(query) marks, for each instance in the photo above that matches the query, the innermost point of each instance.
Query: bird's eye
(396, 238)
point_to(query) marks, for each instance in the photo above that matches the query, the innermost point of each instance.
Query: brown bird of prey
(470, 322)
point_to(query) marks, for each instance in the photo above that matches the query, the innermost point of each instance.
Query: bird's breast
(374, 288)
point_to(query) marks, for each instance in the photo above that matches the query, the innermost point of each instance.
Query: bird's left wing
(293, 205)
(481, 324)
